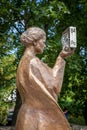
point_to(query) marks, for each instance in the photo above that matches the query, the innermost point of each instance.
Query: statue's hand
(65, 54)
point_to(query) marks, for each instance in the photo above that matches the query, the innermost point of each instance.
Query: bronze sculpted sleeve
(39, 86)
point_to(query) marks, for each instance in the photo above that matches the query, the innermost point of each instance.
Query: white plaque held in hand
(69, 38)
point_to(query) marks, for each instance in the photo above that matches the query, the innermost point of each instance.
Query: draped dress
(39, 87)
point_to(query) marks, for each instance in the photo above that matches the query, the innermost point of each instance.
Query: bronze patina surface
(39, 86)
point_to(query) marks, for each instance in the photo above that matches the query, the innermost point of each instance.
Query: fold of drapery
(62, 123)
(39, 110)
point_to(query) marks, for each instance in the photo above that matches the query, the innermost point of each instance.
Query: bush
(76, 120)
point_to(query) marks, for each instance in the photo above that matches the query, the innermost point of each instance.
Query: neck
(30, 51)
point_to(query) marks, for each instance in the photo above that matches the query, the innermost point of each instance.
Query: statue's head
(32, 35)
(35, 37)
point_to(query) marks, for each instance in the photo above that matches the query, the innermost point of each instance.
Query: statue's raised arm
(39, 86)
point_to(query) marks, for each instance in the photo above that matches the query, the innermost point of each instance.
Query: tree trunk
(17, 107)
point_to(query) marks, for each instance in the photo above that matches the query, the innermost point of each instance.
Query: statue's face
(40, 45)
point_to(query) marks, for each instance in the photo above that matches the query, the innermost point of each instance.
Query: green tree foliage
(15, 17)
(7, 77)
(54, 17)
(76, 69)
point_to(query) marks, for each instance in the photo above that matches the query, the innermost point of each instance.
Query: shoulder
(34, 61)
(37, 63)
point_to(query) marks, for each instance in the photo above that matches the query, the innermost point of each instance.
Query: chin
(39, 51)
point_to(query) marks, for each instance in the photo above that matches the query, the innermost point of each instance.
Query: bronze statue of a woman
(39, 86)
